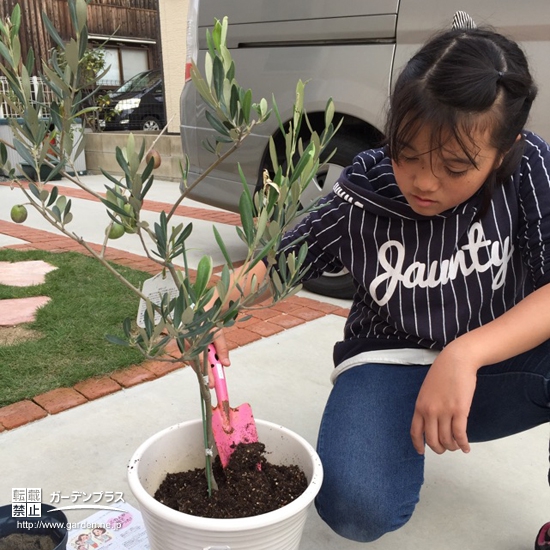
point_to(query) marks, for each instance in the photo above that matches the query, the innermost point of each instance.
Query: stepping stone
(30, 273)
(20, 310)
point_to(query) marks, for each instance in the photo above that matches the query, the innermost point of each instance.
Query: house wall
(33, 33)
(128, 19)
(173, 34)
(101, 147)
(100, 151)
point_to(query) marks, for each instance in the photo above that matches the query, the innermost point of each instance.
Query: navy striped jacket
(422, 281)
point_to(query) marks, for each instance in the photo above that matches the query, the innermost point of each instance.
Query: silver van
(349, 50)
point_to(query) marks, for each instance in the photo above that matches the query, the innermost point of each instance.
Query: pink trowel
(230, 426)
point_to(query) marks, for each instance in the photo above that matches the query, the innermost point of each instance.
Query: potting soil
(249, 486)
(22, 541)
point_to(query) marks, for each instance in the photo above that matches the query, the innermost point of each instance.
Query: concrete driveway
(496, 497)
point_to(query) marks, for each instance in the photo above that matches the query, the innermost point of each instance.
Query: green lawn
(87, 303)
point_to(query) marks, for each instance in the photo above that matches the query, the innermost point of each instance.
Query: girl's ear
(499, 160)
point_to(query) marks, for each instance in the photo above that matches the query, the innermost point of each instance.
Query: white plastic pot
(179, 449)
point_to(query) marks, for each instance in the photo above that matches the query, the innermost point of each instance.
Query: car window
(139, 82)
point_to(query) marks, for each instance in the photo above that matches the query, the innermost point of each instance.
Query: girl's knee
(360, 518)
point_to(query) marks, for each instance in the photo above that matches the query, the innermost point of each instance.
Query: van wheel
(151, 124)
(335, 285)
(347, 147)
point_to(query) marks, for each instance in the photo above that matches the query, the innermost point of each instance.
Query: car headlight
(128, 104)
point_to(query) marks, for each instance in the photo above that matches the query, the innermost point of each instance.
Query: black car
(137, 105)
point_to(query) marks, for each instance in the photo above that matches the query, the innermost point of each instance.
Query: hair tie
(500, 74)
(462, 20)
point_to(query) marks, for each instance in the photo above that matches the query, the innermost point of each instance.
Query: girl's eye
(454, 174)
(408, 159)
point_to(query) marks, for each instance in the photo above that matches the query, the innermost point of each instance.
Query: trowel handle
(220, 385)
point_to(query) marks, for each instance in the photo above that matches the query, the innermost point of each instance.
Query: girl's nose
(426, 181)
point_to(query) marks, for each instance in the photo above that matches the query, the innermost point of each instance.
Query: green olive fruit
(18, 213)
(129, 210)
(116, 231)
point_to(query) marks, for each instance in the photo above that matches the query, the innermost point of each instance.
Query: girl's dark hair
(455, 77)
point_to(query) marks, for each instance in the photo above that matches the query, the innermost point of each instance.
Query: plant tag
(155, 288)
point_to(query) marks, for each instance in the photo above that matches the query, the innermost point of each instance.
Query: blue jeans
(373, 474)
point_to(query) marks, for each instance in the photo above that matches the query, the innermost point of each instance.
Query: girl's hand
(444, 400)
(443, 404)
(221, 349)
(223, 355)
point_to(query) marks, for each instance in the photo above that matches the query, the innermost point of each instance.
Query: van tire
(347, 147)
(337, 285)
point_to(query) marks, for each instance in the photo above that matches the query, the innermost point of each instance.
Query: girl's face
(435, 180)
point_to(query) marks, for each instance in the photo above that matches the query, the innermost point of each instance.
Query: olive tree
(200, 306)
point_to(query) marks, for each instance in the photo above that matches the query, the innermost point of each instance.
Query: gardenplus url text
(60, 525)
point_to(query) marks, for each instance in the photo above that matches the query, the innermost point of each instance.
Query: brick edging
(292, 312)
(263, 323)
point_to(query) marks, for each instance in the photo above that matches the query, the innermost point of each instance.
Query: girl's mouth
(421, 201)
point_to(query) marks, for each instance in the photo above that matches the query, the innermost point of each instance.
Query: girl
(446, 232)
